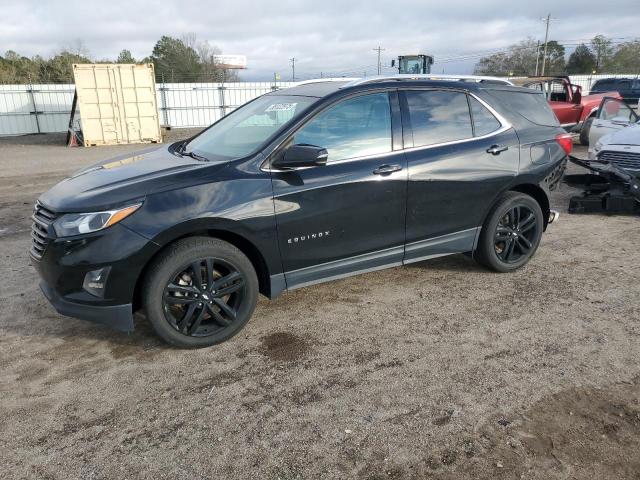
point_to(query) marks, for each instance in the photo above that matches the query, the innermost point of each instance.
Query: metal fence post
(163, 103)
(33, 101)
(221, 89)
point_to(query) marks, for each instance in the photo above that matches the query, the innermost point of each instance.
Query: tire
(508, 239)
(584, 131)
(188, 311)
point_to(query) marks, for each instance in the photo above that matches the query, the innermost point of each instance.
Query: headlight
(598, 146)
(78, 223)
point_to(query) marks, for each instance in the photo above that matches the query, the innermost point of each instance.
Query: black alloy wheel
(511, 233)
(515, 234)
(203, 297)
(199, 291)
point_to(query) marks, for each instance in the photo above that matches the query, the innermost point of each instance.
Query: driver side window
(356, 127)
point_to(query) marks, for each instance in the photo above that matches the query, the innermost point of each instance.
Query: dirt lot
(438, 370)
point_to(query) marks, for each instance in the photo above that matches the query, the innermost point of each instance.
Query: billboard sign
(231, 61)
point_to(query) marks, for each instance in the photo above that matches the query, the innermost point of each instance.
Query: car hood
(625, 136)
(121, 179)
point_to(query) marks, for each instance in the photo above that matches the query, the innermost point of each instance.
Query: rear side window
(532, 106)
(603, 85)
(438, 116)
(483, 120)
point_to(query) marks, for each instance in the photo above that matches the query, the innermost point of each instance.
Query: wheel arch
(539, 195)
(241, 242)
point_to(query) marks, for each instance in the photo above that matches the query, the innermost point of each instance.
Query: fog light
(95, 281)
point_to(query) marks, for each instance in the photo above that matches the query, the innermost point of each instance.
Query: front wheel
(511, 233)
(200, 291)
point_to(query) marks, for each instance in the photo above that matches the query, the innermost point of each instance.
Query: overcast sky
(323, 35)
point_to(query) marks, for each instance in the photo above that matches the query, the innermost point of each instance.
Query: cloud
(328, 36)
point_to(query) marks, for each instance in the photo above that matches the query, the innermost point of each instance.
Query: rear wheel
(511, 233)
(584, 131)
(199, 292)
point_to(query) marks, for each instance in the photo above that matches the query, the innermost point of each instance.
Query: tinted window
(603, 85)
(532, 106)
(438, 116)
(483, 120)
(353, 128)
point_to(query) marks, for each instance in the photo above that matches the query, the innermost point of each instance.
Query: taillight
(565, 141)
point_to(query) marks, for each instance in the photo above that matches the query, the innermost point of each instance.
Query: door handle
(496, 149)
(387, 169)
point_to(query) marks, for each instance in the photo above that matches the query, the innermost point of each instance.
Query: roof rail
(428, 76)
(331, 79)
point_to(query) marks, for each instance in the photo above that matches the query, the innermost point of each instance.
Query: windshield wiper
(195, 156)
(183, 153)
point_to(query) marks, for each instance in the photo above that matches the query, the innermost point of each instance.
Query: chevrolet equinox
(300, 186)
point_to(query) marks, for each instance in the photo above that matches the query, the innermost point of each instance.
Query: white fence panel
(28, 109)
(34, 108)
(45, 108)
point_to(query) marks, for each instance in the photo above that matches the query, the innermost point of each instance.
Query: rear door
(613, 114)
(460, 154)
(348, 215)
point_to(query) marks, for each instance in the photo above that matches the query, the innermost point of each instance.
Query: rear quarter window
(529, 105)
(602, 85)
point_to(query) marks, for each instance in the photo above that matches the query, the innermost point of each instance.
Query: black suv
(628, 88)
(300, 186)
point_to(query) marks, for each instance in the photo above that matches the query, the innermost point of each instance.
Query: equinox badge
(309, 236)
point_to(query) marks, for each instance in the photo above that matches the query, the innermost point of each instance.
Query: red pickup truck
(574, 110)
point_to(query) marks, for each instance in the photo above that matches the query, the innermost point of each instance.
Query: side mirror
(577, 97)
(393, 63)
(302, 156)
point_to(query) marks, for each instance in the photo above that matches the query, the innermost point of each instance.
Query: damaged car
(613, 182)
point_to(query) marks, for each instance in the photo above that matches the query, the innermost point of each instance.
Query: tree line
(599, 56)
(183, 59)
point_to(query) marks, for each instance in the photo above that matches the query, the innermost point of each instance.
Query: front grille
(626, 160)
(40, 230)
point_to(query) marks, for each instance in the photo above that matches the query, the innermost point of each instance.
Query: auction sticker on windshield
(279, 107)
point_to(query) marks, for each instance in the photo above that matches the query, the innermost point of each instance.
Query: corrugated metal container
(117, 103)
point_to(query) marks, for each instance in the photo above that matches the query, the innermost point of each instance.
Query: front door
(346, 216)
(561, 101)
(612, 115)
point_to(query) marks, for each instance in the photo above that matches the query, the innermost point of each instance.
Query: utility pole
(546, 39)
(537, 57)
(293, 69)
(379, 50)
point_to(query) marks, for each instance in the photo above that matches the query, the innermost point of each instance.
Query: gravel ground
(437, 370)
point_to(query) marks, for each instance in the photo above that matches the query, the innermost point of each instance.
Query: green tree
(125, 57)
(581, 61)
(602, 49)
(555, 58)
(626, 59)
(59, 69)
(15, 68)
(175, 60)
(518, 59)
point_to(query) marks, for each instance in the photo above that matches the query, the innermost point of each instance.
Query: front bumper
(118, 317)
(66, 261)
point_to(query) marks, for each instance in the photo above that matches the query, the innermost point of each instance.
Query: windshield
(246, 129)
